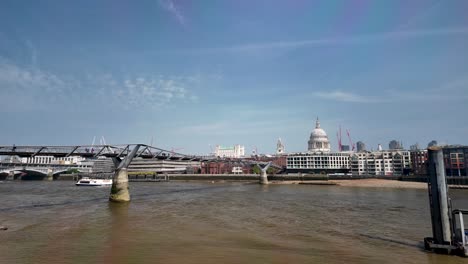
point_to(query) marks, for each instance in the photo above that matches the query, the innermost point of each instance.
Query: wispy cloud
(171, 7)
(143, 91)
(151, 92)
(37, 88)
(26, 88)
(17, 78)
(450, 91)
(346, 40)
(348, 97)
(459, 84)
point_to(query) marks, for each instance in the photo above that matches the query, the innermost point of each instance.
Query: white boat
(93, 182)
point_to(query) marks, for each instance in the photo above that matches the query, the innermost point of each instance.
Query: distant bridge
(16, 170)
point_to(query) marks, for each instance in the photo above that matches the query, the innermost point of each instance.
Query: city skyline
(186, 75)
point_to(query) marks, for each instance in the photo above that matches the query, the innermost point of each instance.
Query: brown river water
(181, 222)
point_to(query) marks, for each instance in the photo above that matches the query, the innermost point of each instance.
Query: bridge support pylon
(50, 175)
(263, 174)
(263, 177)
(120, 192)
(11, 176)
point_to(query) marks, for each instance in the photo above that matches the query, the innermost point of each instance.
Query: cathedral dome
(318, 133)
(318, 141)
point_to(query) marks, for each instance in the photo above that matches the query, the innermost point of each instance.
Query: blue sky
(191, 74)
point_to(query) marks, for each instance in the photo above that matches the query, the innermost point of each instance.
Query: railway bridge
(19, 171)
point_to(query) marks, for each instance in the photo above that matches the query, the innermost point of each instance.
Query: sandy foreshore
(378, 183)
(381, 183)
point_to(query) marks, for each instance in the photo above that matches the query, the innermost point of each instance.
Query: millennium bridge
(121, 155)
(93, 151)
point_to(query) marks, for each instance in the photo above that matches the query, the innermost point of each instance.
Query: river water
(180, 222)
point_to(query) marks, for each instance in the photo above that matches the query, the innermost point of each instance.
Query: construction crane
(338, 135)
(351, 144)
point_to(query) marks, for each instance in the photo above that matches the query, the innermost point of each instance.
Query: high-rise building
(394, 145)
(279, 147)
(360, 146)
(414, 147)
(432, 143)
(345, 148)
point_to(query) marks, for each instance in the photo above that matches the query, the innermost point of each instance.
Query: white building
(318, 141)
(237, 170)
(236, 151)
(319, 159)
(53, 160)
(318, 162)
(380, 162)
(162, 166)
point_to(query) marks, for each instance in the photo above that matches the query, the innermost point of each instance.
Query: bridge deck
(113, 151)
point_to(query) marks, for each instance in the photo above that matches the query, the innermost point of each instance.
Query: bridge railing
(91, 151)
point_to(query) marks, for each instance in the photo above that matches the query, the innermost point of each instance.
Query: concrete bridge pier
(263, 177)
(120, 192)
(11, 176)
(263, 174)
(50, 175)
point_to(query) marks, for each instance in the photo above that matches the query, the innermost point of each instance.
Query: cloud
(170, 6)
(452, 91)
(347, 40)
(459, 84)
(16, 79)
(150, 92)
(348, 97)
(28, 88)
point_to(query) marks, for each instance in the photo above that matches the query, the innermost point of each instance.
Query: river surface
(180, 222)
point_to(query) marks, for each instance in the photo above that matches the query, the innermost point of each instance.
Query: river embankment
(375, 183)
(306, 179)
(380, 183)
